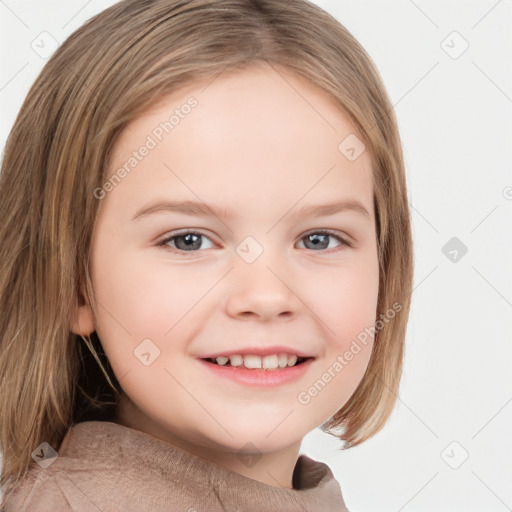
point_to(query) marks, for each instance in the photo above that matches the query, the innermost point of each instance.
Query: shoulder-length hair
(104, 75)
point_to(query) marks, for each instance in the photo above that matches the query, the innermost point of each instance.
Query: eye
(187, 241)
(320, 239)
(190, 241)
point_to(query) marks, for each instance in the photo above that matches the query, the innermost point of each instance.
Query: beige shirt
(105, 467)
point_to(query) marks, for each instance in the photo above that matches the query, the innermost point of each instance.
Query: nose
(261, 289)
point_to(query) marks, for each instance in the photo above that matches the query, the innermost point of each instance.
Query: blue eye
(186, 241)
(190, 241)
(320, 239)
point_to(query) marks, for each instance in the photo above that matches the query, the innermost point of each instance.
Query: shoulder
(58, 487)
(104, 466)
(38, 491)
(48, 491)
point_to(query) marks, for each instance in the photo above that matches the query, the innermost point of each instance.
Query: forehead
(258, 137)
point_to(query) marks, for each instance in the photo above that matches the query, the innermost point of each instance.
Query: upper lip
(257, 351)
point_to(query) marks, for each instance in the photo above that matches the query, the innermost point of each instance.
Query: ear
(82, 318)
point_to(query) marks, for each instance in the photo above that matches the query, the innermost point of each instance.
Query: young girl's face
(257, 148)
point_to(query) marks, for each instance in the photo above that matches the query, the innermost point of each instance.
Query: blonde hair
(104, 75)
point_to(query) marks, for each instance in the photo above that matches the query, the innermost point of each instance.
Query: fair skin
(263, 149)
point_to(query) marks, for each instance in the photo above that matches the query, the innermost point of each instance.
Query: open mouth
(258, 372)
(255, 363)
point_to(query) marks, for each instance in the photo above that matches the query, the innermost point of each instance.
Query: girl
(207, 254)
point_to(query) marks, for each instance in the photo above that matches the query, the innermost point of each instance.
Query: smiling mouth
(256, 363)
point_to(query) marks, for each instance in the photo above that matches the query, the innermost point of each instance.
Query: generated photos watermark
(152, 140)
(305, 397)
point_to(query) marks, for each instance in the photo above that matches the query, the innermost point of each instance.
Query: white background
(455, 119)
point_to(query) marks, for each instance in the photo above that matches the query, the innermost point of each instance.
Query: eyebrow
(202, 209)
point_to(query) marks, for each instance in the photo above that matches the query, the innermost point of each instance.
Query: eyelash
(163, 242)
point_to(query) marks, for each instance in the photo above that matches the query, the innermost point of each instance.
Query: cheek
(346, 304)
(146, 300)
(346, 300)
(143, 309)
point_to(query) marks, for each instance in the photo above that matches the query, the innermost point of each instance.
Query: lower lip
(259, 377)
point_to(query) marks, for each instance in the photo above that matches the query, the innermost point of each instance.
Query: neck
(273, 468)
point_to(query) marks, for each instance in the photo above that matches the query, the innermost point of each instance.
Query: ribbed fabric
(106, 467)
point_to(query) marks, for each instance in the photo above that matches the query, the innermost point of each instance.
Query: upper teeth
(270, 362)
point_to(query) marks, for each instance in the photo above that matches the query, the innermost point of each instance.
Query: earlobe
(82, 320)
